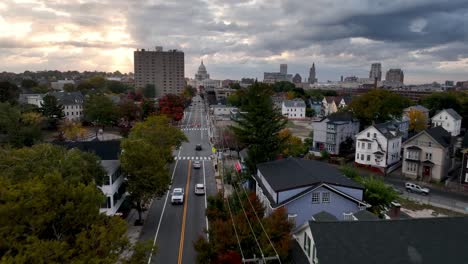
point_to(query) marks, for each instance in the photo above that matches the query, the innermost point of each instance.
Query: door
(426, 171)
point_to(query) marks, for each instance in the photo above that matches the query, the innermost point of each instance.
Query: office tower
(284, 69)
(395, 76)
(312, 78)
(163, 69)
(376, 72)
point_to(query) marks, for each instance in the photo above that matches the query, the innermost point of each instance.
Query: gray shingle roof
(68, 98)
(387, 128)
(106, 150)
(324, 217)
(293, 173)
(341, 116)
(440, 135)
(365, 215)
(294, 103)
(453, 113)
(417, 107)
(423, 240)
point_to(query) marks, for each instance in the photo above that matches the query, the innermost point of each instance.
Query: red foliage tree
(230, 257)
(172, 106)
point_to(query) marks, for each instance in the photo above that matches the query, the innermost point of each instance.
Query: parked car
(196, 164)
(199, 189)
(177, 196)
(198, 147)
(411, 187)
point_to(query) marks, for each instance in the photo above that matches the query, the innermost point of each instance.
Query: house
(114, 184)
(419, 108)
(294, 109)
(305, 188)
(331, 104)
(315, 105)
(403, 125)
(378, 146)
(72, 104)
(448, 119)
(333, 130)
(416, 241)
(33, 99)
(464, 165)
(426, 156)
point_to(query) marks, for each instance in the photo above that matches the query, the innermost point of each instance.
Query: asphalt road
(174, 227)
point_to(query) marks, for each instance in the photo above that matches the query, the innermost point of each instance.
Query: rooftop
(294, 103)
(106, 150)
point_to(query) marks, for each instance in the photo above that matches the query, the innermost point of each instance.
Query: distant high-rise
(312, 78)
(283, 68)
(163, 69)
(202, 74)
(395, 76)
(376, 72)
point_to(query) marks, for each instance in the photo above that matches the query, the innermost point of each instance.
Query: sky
(427, 39)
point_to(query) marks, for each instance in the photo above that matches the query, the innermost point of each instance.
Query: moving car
(177, 196)
(198, 147)
(199, 189)
(196, 164)
(411, 187)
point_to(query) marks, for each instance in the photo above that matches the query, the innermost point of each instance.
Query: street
(173, 228)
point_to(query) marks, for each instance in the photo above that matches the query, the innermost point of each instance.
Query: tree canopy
(172, 106)
(417, 120)
(100, 110)
(293, 146)
(149, 91)
(22, 128)
(259, 125)
(51, 110)
(378, 105)
(9, 92)
(50, 208)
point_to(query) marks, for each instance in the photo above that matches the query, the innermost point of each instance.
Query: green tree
(21, 128)
(259, 125)
(283, 86)
(98, 82)
(50, 209)
(149, 91)
(438, 101)
(100, 110)
(235, 86)
(378, 194)
(292, 146)
(234, 100)
(378, 105)
(189, 92)
(41, 89)
(51, 110)
(69, 87)
(9, 92)
(28, 83)
(117, 87)
(146, 153)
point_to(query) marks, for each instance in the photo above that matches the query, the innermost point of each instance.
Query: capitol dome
(202, 74)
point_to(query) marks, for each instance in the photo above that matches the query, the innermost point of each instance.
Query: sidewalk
(133, 232)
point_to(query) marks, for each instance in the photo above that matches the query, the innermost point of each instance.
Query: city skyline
(241, 38)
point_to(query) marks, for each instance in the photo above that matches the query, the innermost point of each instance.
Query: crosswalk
(192, 158)
(193, 129)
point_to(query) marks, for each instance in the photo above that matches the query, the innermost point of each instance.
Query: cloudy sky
(428, 39)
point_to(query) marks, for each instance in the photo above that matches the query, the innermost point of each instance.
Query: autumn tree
(417, 120)
(145, 155)
(129, 113)
(259, 125)
(71, 130)
(172, 106)
(292, 145)
(378, 105)
(51, 110)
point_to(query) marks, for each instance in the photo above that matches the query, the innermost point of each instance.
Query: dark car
(198, 147)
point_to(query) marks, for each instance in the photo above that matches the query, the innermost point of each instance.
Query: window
(307, 242)
(368, 145)
(368, 157)
(375, 135)
(315, 197)
(357, 156)
(428, 156)
(368, 134)
(411, 167)
(429, 144)
(325, 197)
(466, 177)
(359, 144)
(362, 156)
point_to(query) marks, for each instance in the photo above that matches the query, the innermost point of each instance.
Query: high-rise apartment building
(312, 78)
(376, 72)
(163, 69)
(284, 69)
(395, 76)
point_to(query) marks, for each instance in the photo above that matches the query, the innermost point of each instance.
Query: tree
(84, 86)
(234, 100)
(235, 86)
(283, 86)
(259, 125)
(50, 208)
(189, 92)
(21, 128)
(172, 106)
(147, 108)
(117, 87)
(41, 89)
(378, 105)
(129, 113)
(438, 101)
(98, 82)
(100, 110)
(51, 110)
(378, 194)
(28, 83)
(72, 130)
(69, 87)
(149, 91)
(292, 146)
(417, 120)
(146, 153)
(310, 112)
(9, 92)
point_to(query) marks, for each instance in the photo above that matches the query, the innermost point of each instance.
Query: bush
(324, 155)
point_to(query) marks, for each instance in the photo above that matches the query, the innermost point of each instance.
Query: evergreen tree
(52, 110)
(258, 126)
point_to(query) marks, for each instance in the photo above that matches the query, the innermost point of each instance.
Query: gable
(441, 116)
(423, 137)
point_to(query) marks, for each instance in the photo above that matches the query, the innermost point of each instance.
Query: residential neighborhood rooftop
(106, 150)
(451, 112)
(294, 103)
(440, 135)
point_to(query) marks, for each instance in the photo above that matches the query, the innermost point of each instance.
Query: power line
(235, 231)
(263, 228)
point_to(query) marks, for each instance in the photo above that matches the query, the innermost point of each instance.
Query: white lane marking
(192, 158)
(164, 208)
(201, 125)
(206, 194)
(184, 158)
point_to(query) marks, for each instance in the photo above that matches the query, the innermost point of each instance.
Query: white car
(199, 189)
(411, 187)
(177, 196)
(196, 164)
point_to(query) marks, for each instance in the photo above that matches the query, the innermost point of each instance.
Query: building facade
(395, 75)
(72, 104)
(333, 130)
(331, 104)
(378, 146)
(449, 119)
(293, 109)
(312, 77)
(32, 99)
(426, 156)
(284, 69)
(202, 73)
(163, 69)
(376, 72)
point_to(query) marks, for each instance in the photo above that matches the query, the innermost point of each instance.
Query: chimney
(395, 210)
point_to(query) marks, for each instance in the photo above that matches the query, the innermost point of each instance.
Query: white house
(331, 104)
(333, 130)
(33, 99)
(449, 120)
(294, 109)
(72, 104)
(378, 146)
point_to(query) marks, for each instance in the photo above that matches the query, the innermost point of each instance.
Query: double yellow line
(184, 217)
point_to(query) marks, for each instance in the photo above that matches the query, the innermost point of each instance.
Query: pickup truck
(411, 187)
